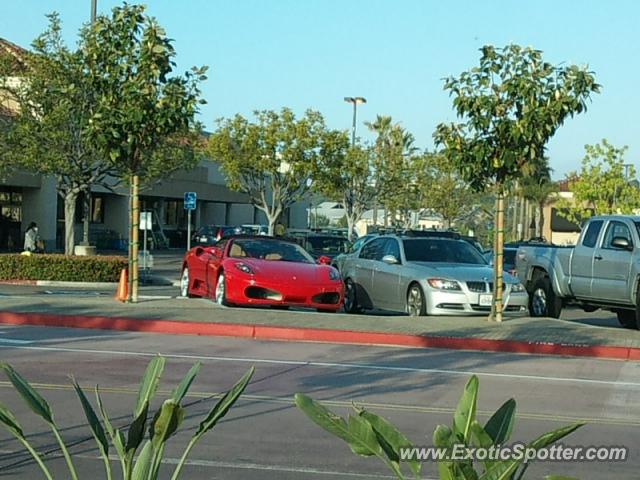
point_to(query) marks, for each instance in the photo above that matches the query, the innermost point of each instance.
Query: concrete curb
(265, 332)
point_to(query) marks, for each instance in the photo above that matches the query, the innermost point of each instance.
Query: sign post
(145, 225)
(190, 200)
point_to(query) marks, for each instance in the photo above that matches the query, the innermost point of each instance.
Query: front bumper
(242, 289)
(465, 302)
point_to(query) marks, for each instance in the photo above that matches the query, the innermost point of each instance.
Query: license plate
(485, 300)
(203, 239)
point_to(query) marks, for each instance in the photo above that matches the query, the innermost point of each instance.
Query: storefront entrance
(10, 219)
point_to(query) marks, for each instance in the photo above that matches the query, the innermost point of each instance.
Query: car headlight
(517, 288)
(243, 267)
(443, 284)
(334, 274)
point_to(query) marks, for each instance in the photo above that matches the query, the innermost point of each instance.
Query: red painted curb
(265, 332)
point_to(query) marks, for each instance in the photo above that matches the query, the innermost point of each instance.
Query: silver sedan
(424, 276)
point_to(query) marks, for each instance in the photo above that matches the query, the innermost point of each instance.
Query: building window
(96, 213)
(174, 213)
(11, 205)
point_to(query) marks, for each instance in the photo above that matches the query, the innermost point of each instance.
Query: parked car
(255, 229)
(260, 270)
(323, 245)
(424, 275)
(211, 234)
(601, 271)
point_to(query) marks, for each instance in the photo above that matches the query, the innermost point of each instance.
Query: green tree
(603, 185)
(271, 160)
(48, 134)
(511, 105)
(344, 173)
(143, 120)
(317, 221)
(538, 188)
(394, 174)
(442, 189)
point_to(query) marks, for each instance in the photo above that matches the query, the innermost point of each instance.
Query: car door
(612, 266)
(213, 266)
(582, 260)
(385, 283)
(362, 272)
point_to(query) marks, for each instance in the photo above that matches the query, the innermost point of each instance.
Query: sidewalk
(202, 317)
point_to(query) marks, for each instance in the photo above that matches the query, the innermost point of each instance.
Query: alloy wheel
(220, 290)
(184, 283)
(539, 302)
(415, 301)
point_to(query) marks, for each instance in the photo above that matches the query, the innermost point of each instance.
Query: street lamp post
(355, 101)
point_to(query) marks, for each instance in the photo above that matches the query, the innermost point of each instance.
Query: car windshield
(441, 250)
(328, 244)
(273, 250)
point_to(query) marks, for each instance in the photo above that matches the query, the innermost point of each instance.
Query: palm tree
(538, 189)
(382, 127)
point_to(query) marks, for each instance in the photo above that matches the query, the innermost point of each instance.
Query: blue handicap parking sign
(190, 199)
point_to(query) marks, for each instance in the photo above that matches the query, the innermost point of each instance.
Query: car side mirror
(390, 260)
(324, 260)
(622, 243)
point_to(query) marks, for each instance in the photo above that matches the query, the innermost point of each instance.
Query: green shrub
(139, 459)
(62, 268)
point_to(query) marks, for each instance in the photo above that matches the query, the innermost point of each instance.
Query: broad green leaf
(149, 384)
(224, 404)
(182, 389)
(166, 422)
(443, 437)
(323, 417)
(116, 435)
(94, 422)
(505, 469)
(500, 425)
(446, 471)
(142, 466)
(365, 441)
(465, 413)
(480, 435)
(32, 398)
(393, 437)
(9, 421)
(135, 434)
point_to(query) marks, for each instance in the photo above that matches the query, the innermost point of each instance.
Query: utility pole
(94, 8)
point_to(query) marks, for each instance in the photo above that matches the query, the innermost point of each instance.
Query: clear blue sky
(265, 54)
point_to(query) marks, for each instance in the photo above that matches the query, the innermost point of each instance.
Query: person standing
(31, 238)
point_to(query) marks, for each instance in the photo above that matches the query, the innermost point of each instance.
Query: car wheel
(416, 304)
(626, 318)
(184, 283)
(543, 301)
(221, 290)
(350, 297)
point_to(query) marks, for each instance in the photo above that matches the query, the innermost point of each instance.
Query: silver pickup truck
(601, 271)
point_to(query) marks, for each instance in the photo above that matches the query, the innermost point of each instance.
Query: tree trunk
(70, 199)
(350, 223)
(541, 219)
(375, 211)
(498, 258)
(86, 216)
(522, 219)
(514, 227)
(135, 234)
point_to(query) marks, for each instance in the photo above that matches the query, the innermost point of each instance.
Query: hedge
(61, 268)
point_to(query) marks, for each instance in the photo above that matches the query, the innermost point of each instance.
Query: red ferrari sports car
(245, 270)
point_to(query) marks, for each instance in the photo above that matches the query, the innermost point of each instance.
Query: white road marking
(15, 341)
(354, 366)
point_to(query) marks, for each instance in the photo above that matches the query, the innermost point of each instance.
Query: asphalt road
(265, 437)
